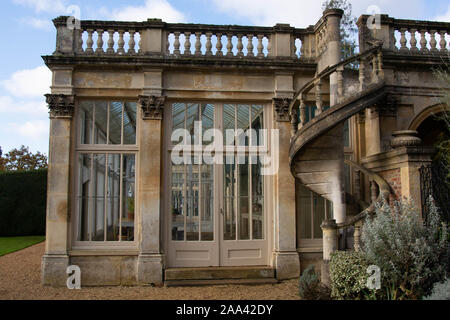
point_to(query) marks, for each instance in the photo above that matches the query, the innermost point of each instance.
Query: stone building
(350, 132)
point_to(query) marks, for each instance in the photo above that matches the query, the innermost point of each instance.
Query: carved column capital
(60, 105)
(281, 109)
(152, 107)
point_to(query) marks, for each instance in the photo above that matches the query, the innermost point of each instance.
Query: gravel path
(20, 279)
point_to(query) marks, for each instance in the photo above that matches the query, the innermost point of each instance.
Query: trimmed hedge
(23, 203)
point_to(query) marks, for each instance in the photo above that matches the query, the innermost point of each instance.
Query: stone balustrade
(369, 66)
(407, 36)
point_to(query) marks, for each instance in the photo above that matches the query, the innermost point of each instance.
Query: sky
(27, 33)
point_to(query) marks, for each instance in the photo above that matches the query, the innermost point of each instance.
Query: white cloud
(161, 9)
(269, 12)
(29, 83)
(445, 17)
(34, 129)
(44, 5)
(42, 24)
(33, 107)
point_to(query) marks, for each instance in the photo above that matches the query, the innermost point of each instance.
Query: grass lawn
(12, 244)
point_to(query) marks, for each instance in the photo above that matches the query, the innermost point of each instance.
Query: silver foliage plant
(412, 256)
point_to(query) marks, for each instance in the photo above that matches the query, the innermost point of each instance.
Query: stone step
(219, 273)
(198, 283)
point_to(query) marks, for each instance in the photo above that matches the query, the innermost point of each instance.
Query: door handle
(221, 211)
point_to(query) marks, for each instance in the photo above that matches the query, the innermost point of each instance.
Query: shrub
(23, 203)
(412, 256)
(441, 291)
(348, 275)
(310, 287)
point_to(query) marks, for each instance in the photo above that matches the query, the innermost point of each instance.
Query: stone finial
(281, 109)
(406, 138)
(60, 105)
(152, 107)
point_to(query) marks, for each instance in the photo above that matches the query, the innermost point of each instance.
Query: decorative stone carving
(60, 105)
(387, 106)
(281, 109)
(152, 107)
(406, 138)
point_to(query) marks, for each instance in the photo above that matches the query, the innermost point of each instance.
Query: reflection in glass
(101, 122)
(115, 123)
(98, 219)
(257, 201)
(192, 198)
(257, 125)
(85, 121)
(229, 200)
(207, 203)
(84, 200)
(113, 198)
(243, 199)
(129, 123)
(178, 186)
(229, 118)
(305, 212)
(128, 197)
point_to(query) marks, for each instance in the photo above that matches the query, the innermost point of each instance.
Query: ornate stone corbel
(60, 105)
(152, 107)
(281, 109)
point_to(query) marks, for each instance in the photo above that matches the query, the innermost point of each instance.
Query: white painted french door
(217, 215)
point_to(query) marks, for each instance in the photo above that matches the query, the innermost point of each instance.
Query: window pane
(101, 122)
(207, 200)
(115, 123)
(85, 121)
(192, 116)
(229, 118)
(113, 198)
(257, 201)
(207, 119)
(229, 200)
(244, 212)
(257, 125)
(128, 196)
(129, 123)
(319, 215)
(178, 210)
(84, 200)
(98, 219)
(178, 114)
(304, 212)
(192, 184)
(243, 122)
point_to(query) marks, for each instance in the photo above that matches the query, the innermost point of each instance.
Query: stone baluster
(319, 101)
(413, 41)
(340, 83)
(260, 47)
(121, 43)
(110, 43)
(433, 42)
(373, 191)
(198, 44)
(443, 42)
(240, 46)
(380, 65)
(302, 47)
(393, 39)
(208, 44)
(423, 41)
(403, 41)
(269, 46)
(80, 42)
(89, 42)
(229, 45)
(330, 245)
(362, 74)
(168, 43)
(187, 44)
(302, 111)
(250, 46)
(132, 42)
(294, 123)
(176, 43)
(140, 43)
(358, 184)
(219, 45)
(99, 49)
(357, 237)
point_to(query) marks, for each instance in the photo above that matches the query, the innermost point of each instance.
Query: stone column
(55, 259)
(150, 261)
(372, 128)
(330, 245)
(286, 260)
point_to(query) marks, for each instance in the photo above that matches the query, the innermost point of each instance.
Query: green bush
(348, 275)
(412, 256)
(441, 291)
(23, 203)
(310, 287)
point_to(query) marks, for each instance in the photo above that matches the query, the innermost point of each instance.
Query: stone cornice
(281, 109)
(152, 107)
(60, 105)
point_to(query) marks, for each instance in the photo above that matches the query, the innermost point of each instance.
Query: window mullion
(105, 194)
(121, 197)
(91, 197)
